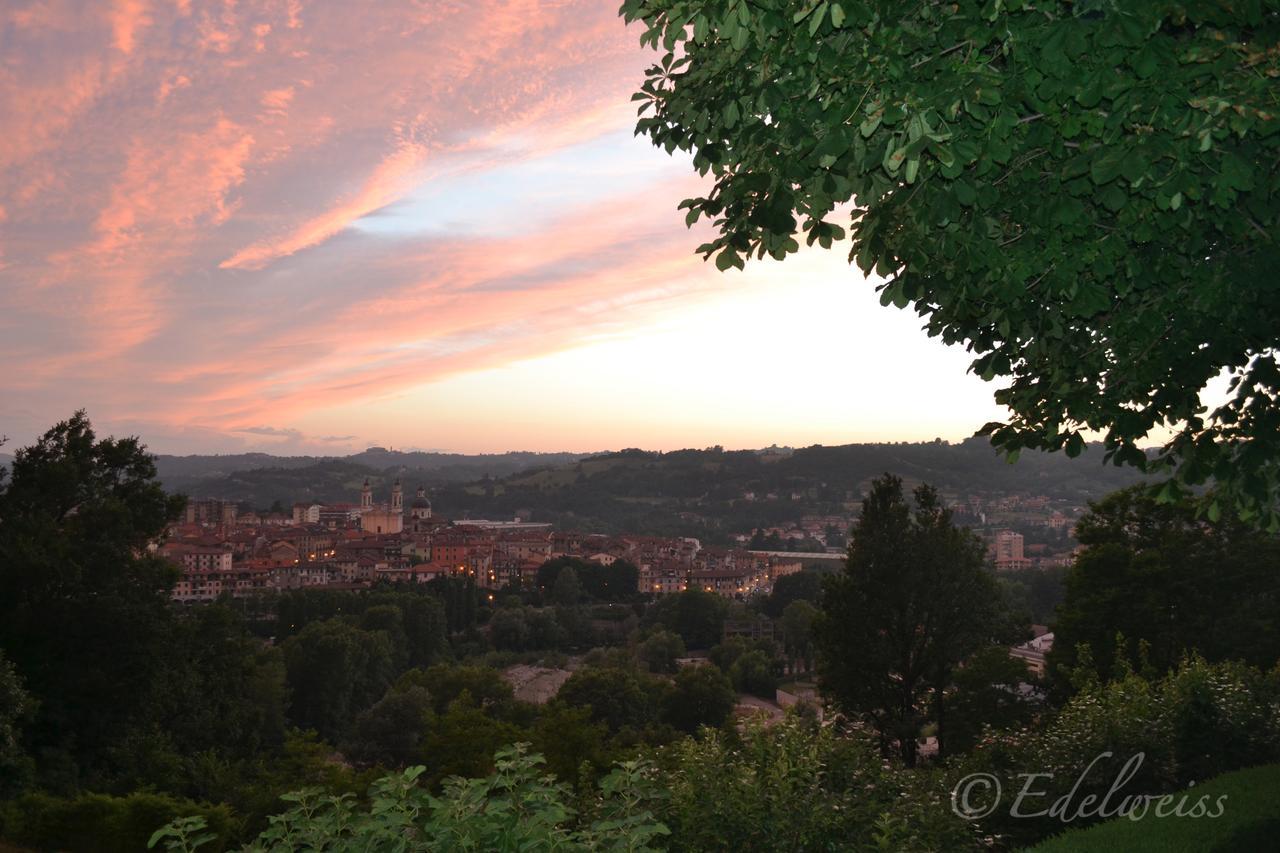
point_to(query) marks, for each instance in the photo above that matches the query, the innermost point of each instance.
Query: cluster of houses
(355, 545)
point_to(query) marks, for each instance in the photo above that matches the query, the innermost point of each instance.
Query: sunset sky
(285, 226)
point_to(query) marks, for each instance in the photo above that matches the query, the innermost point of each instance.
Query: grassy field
(1250, 822)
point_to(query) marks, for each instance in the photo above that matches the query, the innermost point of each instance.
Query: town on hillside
(224, 551)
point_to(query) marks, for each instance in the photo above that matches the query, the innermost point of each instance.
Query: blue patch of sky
(520, 196)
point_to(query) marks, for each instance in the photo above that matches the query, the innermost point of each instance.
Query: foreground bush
(515, 808)
(98, 823)
(1199, 721)
(798, 786)
(793, 786)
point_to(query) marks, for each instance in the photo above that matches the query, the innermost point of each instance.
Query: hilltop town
(350, 545)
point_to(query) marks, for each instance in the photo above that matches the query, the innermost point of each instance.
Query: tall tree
(336, 671)
(83, 603)
(916, 597)
(797, 632)
(1082, 192)
(16, 707)
(1169, 583)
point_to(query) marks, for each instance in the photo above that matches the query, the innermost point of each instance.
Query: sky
(311, 227)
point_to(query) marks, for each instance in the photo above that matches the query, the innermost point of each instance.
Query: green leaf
(727, 259)
(815, 21)
(1106, 166)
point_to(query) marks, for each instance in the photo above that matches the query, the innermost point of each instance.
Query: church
(382, 518)
(389, 518)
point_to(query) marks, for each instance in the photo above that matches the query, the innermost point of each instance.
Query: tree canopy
(1082, 192)
(916, 598)
(1170, 584)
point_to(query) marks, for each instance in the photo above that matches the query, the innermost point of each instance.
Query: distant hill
(706, 493)
(711, 493)
(261, 479)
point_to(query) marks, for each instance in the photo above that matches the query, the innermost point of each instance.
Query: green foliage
(446, 682)
(391, 732)
(76, 517)
(1247, 809)
(753, 672)
(223, 689)
(514, 808)
(418, 632)
(701, 696)
(697, 616)
(335, 671)
(98, 823)
(1170, 583)
(619, 698)
(1036, 592)
(660, 650)
(915, 599)
(798, 623)
(566, 592)
(509, 630)
(986, 695)
(569, 740)
(795, 786)
(614, 582)
(1198, 721)
(463, 739)
(801, 586)
(1083, 194)
(16, 708)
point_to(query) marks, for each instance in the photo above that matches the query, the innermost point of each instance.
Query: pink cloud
(179, 184)
(127, 18)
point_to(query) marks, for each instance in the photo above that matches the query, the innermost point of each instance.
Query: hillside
(261, 479)
(715, 493)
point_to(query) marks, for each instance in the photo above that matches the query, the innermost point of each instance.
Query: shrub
(517, 807)
(99, 823)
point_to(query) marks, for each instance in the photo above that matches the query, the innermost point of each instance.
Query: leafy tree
(697, 616)
(568, 737)
(725, 654)
(986, 693)
(102, 823)
(83, 603)
(508, 630)
(1081, 192)
(223, 691)
(446, 683)
(702, 696)
(753, 673)
(798, 622)
(1037, 592)
(660, 650)
(423, 622)
(16, 707)
(567, 592)
(462, 740)
(335, 672)
(390, 733)
(1170, 583)
(801, 586)
(461, 600)
(617, 697)
(915, 599)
